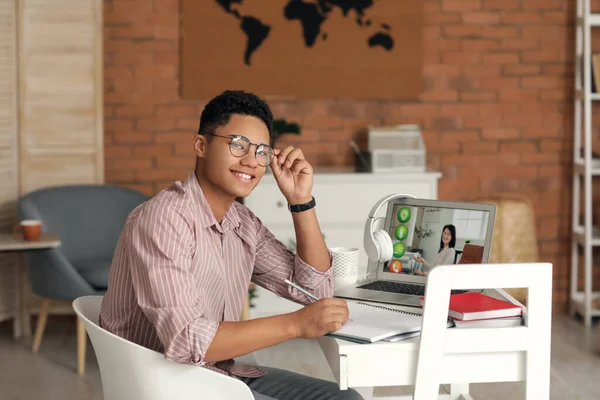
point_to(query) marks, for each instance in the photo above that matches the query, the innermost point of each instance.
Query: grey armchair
(88, 220)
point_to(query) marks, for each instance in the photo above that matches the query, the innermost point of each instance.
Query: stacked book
(477, 310)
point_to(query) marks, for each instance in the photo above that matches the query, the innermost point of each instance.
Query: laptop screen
(427, 233)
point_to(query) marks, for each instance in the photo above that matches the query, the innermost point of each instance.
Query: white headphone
(378, 244)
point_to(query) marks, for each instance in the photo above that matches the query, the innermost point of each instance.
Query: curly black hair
(218, 111)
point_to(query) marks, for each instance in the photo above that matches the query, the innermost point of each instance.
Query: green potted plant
(281, 126)
(421, 232)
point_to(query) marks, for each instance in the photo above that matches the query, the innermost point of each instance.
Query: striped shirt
(176, 272)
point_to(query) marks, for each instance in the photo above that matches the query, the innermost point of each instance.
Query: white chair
(132, 372)
(473, 355)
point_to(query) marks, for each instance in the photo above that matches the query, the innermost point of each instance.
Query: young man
(185, 258)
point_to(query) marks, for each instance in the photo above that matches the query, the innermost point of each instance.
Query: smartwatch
(303, 206)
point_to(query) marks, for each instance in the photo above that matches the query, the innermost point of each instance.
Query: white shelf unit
(584, 302)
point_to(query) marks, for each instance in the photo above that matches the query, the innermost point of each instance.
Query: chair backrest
(87, 218)
(132, 372)
(472, 254)
(511, 354)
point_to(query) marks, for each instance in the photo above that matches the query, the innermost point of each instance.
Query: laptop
(424, 229)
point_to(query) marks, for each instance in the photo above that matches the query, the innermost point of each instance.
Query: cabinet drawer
(341, 203)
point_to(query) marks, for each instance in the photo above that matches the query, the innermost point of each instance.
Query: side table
(12, 243)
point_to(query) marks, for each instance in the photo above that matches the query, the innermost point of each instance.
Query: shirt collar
(231, 219)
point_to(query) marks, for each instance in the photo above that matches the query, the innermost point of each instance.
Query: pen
(305, 292)
(312, 296)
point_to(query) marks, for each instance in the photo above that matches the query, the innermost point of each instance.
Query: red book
(472, 306)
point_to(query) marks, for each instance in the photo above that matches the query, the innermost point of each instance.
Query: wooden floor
(51, 374)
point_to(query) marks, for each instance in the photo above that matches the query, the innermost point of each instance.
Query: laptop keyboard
(399, 287)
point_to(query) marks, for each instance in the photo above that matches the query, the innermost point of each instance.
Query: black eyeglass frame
(260, 146)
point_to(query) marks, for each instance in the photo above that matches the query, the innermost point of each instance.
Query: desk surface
(394, 364)
(12, 242)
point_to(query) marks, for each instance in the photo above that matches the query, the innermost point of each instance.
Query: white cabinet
(344, 200)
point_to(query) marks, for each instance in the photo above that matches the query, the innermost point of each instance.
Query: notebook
(371, 322)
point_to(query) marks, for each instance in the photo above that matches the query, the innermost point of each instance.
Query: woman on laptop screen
(446, 253)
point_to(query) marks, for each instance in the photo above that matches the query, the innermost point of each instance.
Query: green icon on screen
(401, 232)
(398, 250)
(404, 214)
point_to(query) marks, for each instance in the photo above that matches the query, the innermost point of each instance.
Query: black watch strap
(303, 206)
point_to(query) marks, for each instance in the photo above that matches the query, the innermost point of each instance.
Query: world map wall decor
(302, 48)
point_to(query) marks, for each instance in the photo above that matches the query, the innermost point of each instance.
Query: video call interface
(420, 234)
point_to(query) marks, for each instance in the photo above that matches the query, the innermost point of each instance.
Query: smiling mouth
(242, 177)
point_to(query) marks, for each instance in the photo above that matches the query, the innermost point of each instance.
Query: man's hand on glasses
(294, 175)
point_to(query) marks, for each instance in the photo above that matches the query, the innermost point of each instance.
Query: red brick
(546, 55)
(153, 150)
(481, 45)
(440, 96)
(501, 5)
(174, 137)
(134, 137)
(459, 109)
(520, 44)
(500, 134)
(176, 110)
(539, 158)
(499, 83)
(119, 175)
(518, 147)
(557, 69)
(500, 58)
(184, 149)
(479, 147)
(556, 17)
(551, 145)
(137, 109)
(175, 162)
(552, 170)
(499, 185)
(462, 159)
(118, 125)
(518, 172)
(155, 124)
(522, 121)
(461, 136)
(500, 32)
(543, 5)
(417, 109)
(521, 18)
(478, 96)
(483, 18)
(441, 19)
(117, 151)
(540, 82)
(461, 57)
(511, 94)
(130, 163)
(153, 46)
(521, 69)
(460, 5)
(462, 30)
(327, 122)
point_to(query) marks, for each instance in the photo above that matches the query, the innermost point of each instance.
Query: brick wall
(496, 110)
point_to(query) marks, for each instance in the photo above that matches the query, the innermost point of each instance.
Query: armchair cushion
(89, 220)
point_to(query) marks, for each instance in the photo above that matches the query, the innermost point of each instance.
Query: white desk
(14, 243)
(365, 366)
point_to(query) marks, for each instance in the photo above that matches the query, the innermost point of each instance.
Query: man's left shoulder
(246, 215)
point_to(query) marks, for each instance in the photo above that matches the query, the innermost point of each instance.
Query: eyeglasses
(240, 145)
